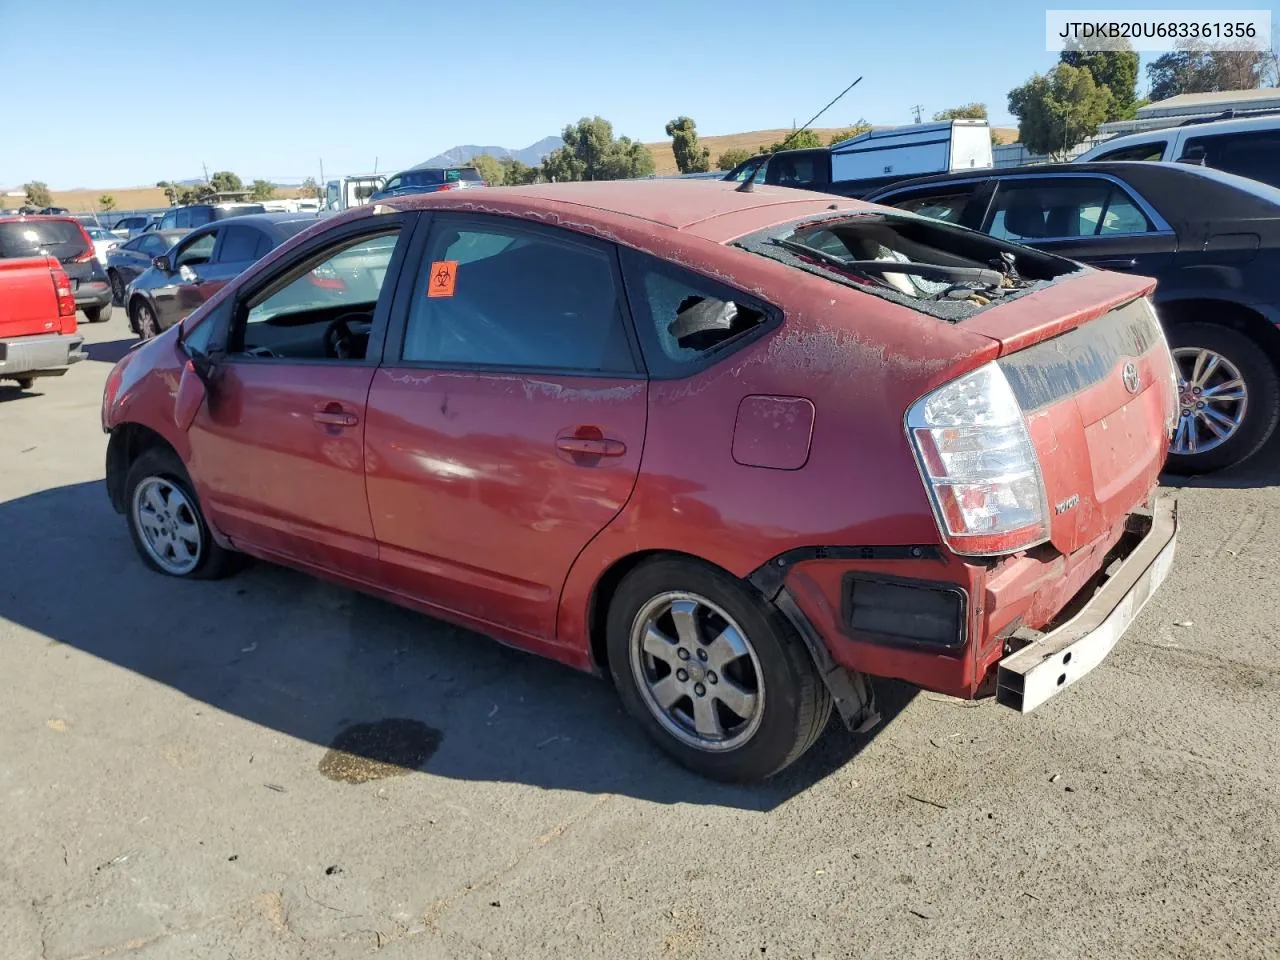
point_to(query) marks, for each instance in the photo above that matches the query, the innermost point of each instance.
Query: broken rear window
(685, 319)
(933, 267)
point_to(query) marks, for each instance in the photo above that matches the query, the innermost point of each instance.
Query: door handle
(588, 447)
(333, 415)
(1115, 264)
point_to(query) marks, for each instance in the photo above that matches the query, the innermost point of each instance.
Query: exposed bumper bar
(1060, 657)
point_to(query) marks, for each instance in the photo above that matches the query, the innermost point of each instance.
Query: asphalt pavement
(169, 787)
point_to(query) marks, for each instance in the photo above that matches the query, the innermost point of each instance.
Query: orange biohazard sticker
(444, 275)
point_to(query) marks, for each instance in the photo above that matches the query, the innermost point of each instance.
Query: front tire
(714, 673)
(165, 520)
(1229, 397)
(98, 314)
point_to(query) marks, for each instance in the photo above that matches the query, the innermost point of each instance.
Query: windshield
(435, 176)
(40, 238)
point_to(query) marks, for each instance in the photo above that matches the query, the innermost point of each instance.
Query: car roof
(65, 218)
(272, 222)
(713, 209)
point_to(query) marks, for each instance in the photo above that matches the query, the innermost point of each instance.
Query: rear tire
(758, 714)
(98, 314)
(117, 288)
(166, 522)
(1215, 430)
(25, 383)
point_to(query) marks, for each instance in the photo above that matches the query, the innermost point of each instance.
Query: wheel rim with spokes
(1213, 399)
(166, 521)
(697, 672)
(146, 322)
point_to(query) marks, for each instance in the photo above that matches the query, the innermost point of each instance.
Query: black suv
(198, 214)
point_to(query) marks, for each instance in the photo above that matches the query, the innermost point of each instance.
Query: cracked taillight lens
(980, 465)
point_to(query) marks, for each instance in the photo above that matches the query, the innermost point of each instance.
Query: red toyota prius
(741, 448)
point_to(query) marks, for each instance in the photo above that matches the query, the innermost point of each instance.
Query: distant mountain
(530, 156)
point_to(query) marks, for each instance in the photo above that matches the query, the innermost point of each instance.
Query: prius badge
(1132, 381)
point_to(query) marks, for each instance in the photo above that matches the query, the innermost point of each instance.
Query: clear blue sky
(273, 86)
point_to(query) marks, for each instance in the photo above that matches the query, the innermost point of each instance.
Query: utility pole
(206, 171)
(916, 110)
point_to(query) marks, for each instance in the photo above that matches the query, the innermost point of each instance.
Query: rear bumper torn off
(1055, 659)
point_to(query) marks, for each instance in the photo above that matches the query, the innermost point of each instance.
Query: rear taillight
(452, 185)
(981, 468)
(326, 278)
(66, 299)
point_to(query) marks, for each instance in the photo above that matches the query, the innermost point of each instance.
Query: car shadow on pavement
(11, 391)
(315, 661)
(1260, 470)
(110, 351)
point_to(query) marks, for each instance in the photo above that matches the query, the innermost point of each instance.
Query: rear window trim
(760, 243)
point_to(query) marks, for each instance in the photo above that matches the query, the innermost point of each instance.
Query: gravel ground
(168, 788)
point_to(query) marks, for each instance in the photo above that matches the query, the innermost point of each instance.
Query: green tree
(691, 156)
(489, 168)
(1115, 69)
(170, 191)
(967, 111)
(1197, 68)
(107, 202)
(309, 188)
(848, 133)
(1057, 110)
(731, 158)
(38, 194)
(262, 190)
(590, 152)
(224, 181)
(805, 139)
(515, 173)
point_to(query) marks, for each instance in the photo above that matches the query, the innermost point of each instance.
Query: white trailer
(916, 150)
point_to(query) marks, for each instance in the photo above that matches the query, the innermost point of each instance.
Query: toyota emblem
(1132, 382)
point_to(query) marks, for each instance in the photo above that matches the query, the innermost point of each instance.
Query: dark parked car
(134, 257)
(1211, 239)
(198, 214)
(428, 180)
(193, 270)
(66, 239)
(702, 441)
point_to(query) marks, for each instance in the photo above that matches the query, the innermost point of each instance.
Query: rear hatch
(65, 240)
(1089, 365)
(1081, 349)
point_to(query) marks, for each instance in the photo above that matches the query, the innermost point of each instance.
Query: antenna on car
(796, 133)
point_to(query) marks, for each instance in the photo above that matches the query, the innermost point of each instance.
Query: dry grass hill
(139, 198)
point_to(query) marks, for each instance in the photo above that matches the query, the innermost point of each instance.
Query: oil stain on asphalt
(384, 748)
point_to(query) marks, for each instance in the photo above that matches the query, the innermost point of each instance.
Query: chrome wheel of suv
(697, 672)
(165, 518)
(1213, 397)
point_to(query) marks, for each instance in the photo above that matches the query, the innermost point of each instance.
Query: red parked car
(740, 448)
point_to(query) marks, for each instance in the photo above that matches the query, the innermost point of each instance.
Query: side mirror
(162, 263)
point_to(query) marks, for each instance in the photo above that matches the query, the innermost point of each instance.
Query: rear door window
(1047, 209)
(239, 245)
(199, 216)
(494, 294)
(1252, 154)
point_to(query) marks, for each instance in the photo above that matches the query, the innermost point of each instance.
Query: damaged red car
(741, 449)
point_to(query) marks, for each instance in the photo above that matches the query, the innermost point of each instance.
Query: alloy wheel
(1213, 400)
(167, 522)
(147, 325)
(697, 672)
